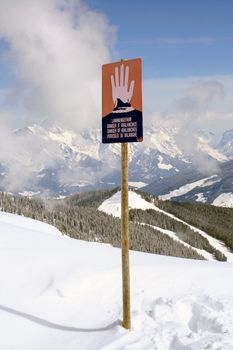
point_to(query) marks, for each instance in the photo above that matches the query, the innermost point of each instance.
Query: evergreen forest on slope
(77, 216)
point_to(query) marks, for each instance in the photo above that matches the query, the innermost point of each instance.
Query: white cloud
(191, 103)
(56, 50)
(206, 102)
(23, 156)
(199, 96)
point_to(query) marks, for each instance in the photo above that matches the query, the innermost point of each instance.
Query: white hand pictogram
(120, 88)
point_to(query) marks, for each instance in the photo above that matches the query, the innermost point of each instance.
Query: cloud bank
(56, 49)
(205, 102)
(199, 96)
(53, 50)
(195, 102)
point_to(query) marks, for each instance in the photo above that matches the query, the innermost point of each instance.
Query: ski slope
(60, 293)
(112, 206)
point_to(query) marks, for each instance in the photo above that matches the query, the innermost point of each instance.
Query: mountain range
(191, 185)
(50, 161)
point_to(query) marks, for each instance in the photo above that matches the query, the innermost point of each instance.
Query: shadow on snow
(49, 324)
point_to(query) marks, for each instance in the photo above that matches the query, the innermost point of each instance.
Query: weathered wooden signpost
(122, 122)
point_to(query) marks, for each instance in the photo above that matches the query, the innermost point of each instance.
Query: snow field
(112, 206)
(224, 200)
(60, 293)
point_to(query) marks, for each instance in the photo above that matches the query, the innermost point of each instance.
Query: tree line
(84, 221)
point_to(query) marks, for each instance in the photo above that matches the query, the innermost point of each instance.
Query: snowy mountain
(48, 160)
(60, 293)
(192, 186)
(226, 144)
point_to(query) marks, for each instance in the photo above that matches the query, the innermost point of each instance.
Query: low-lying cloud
(186, 105)
(199, 96)
(191, 108)
(53, 50)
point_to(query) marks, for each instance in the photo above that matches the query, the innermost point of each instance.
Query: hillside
(190, 185)
(147, 213)
(152, 228)
(216, 221)
(87, 223)
(58, 293)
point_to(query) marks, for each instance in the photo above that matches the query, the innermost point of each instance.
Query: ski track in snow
(112, 206)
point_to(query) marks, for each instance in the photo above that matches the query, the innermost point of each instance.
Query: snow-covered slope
(59, 293)
(193, 186)
(226, 144)
(189, 187)
(224, 200)
(112, 206)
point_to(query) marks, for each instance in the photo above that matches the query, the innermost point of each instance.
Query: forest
(77, 216)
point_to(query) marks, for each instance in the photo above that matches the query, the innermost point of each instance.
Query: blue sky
(186, 47)
(175, 38)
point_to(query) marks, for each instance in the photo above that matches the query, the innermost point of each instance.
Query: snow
(69, 140)
(65, 137)
(27, 223)
(189, 187)
(224, 200)
(30, 193)
(137, 184)
(163, 140)
(214, 153)
(112, 206)
(60, 293)
(162, 165)
(200, 197)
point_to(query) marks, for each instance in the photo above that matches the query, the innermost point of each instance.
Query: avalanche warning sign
(122, 101)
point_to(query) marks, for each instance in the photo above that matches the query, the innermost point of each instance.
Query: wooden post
(125, 237)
